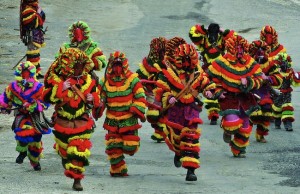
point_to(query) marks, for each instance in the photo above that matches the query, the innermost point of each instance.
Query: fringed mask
(25, 74)
(213, 33)
(117, 66)
(269, 35)
(171, 47)
(79, 33)
(259, 50)
(284, 61)
(237, 46)
(73, 62)
(186, 58)
(157, 49)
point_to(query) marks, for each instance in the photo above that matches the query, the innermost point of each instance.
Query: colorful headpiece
(117, 57)
(171, 46)
(269, 30)
(80, 30)
(256, 45)
(157, 49)
(25, 66)
(233, 42)
(283, 60)
(72, 58)
(186, 57)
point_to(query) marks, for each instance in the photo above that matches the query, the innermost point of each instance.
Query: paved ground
(129, 25)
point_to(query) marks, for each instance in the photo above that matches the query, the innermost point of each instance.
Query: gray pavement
(129, 26)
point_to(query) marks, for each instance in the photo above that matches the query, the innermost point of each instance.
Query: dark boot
(288, 125)
(190, 175)
(63, 162)
(213, 121)
(77, 185)
(277, 123)
(177, 161)
(37, 167)
(21, 157)
(40, 76)
(226, 137)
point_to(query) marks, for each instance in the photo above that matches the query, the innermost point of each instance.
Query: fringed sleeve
(138, 106)
(97, 56)
(31, 18)
(295, 79)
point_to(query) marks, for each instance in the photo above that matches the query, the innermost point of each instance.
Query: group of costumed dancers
(246, 83)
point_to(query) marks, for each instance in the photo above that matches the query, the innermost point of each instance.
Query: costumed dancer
(149, 71)
(124, 99)
(32, 19)
(259, 50)
(24, 96)
(80, 37)
(283, 110)
(269, 35)
(236, 75)
(75, 95)
(211, 44)
(180, 84)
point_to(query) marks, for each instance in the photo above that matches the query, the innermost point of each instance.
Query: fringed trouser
(120, 141)
(184, 141)
(29, 140)
(213, 108)
(283, 109)
(72, 143)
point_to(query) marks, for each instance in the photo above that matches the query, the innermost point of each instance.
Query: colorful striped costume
(183, 81)
(149, 71)
(72, 117)
(25, 95)
(124, 99)
(236, 100)
(31, 31)
(259, 51)
(209, 50)
(283, 110)
(87, 45)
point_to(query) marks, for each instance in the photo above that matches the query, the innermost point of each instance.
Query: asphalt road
(129, 26)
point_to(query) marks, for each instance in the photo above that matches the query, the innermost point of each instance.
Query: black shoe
(227, 137)
(289, 129)
(40, 76)
(63, 162)
(213, 121)
(21, 157)
(190, 175)
(37, 167)
(77, 185)
(177, 161)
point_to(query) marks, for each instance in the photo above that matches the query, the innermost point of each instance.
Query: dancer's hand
(264, 76)
(66, 84)
(39, 10)
(244, 81)
(222, 96)
(208, 94)
(89, 97)
(172, 100)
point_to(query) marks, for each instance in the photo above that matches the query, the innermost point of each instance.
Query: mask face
(117, 69)
(25, 74)
(78, 34)
(186, 61)
(212, 37)
(269, 39)
(260, 56)
(239, 51)
(78, 69)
